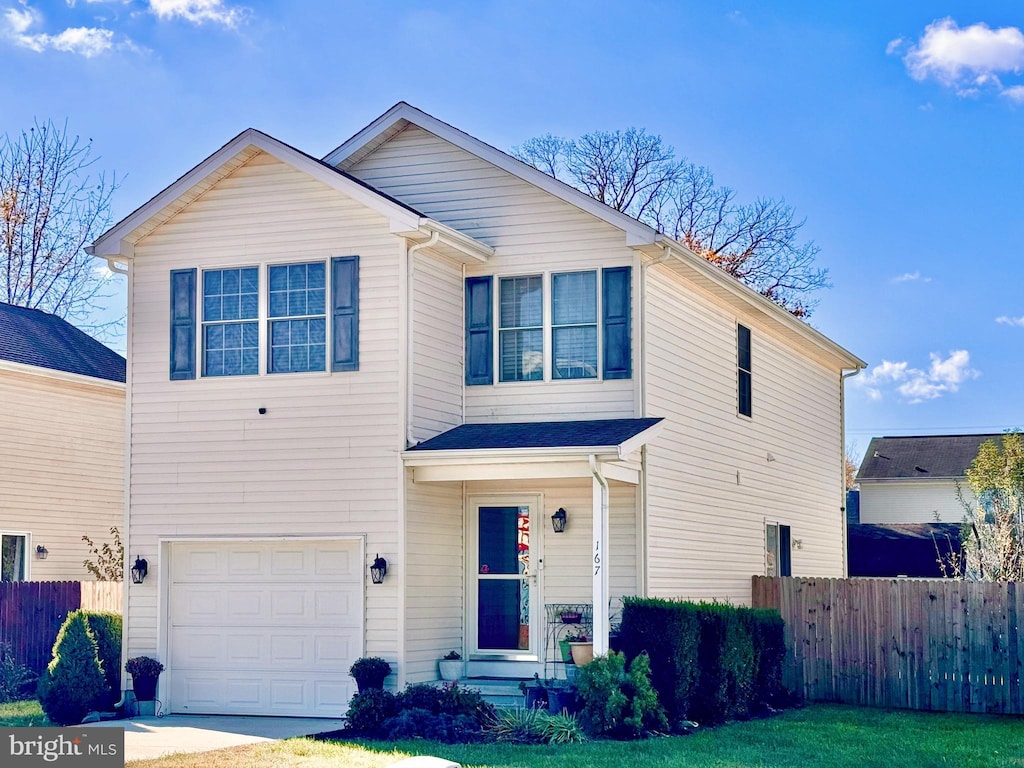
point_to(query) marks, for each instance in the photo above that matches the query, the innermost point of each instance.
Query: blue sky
(894, 128)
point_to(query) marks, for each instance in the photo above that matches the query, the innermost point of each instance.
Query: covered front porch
(505, 522)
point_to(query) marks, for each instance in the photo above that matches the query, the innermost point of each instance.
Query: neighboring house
(62, 414)
(915, 479)
(421, 348)
(914, 550)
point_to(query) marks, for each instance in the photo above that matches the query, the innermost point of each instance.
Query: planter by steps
(582, 653)
(451, 669)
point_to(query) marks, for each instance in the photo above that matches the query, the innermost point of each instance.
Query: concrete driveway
(149, 737)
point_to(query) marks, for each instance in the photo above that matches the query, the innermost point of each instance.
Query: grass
(22, 714)
(833, 736)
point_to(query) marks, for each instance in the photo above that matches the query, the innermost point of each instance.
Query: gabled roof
(638, 234)
(118, 241)
(920, 458)
(598, 433)
(36, 338)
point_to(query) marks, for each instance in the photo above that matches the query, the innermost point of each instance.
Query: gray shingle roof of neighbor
(34, 337)
(537, 434)
(920, 458)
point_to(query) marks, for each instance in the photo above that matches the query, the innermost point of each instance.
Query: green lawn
(832, 736)
(22, 714)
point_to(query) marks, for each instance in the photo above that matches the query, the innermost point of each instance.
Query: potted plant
(535, 692)
(561, 696)
(582, 648)
(144, 671)
(370, 672)
(570, 616)
(451, 666)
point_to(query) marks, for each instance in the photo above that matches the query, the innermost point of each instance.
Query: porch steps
(503, 693)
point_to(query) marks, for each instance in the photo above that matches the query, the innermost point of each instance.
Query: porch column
(599, 493)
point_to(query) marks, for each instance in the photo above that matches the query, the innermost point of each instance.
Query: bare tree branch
(638, 174)
(51, 208)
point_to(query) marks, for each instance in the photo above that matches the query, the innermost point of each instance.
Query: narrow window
(745, 394)
(521, 331)
(12, 557)
(298, 318)
(230, 326)
(777, 545)
(574, 325)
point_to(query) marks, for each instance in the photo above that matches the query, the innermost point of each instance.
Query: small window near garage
(744, 377)
(777, 545)
(13, 566)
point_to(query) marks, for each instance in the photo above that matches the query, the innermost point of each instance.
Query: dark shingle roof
(888, 458)
(537, 434)
(908, 549)
(33, 337)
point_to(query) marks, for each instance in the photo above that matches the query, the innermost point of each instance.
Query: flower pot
(561, 700)
(566, 651)
(451, 669)
(144, 688)
(582, 653)
(536, 697)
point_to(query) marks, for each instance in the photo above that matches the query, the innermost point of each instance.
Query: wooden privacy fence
(951, 646)
(31, 613)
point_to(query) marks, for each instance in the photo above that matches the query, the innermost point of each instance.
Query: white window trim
(547, 336)
(263, 318)
(737, 368)
(29, 551)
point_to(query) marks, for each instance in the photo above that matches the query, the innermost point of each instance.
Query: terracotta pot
(582, 653)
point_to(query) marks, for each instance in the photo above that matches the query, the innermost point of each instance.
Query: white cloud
(969, 59)
(944, 375)
(198, 11)
(910, 277)
(1014, 93)
(84, 41)
(1008, 320)
(894, 46)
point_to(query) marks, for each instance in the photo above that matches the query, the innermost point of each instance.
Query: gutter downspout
(842, 452)
(599, 492)
(410, 252)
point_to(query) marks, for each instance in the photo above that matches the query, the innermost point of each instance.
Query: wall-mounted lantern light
(558, 520)
(378, 570)
(139, 570)
(41, 552)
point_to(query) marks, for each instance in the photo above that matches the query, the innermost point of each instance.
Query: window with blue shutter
(479, 331)
(183, 324)
(574, 325)
(616, 322)
(231, 331)
(298, 318)
(345, 313)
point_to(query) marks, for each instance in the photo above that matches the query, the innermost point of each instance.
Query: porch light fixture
(378, 570)
(558, 520)
(139, 570)
(41, 552)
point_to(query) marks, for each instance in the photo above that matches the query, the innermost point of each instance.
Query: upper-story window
(744, 381)
(563, 325)
(280, 318)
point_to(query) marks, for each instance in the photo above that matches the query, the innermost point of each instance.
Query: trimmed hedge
(709, 662)
(106, 628)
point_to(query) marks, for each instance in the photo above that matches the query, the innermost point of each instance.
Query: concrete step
(502, 693)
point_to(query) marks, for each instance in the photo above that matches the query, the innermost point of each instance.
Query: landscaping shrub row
(709, 662)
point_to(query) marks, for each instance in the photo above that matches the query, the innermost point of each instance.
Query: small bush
(457, 700)
(73, 684)
(618, 704)
(16, 680)
(106, 628)
(728, 666)
(533, 726)
(562, 728)
(368, 710)
(766, 629)
(419, 723)
(420, 696)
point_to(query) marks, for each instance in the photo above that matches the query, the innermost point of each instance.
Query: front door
(503, 581)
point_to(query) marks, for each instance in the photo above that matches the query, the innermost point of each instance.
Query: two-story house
(62, 415)
(423, 352)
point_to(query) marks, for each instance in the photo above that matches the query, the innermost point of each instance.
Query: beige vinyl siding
(435, 577)
(323, 459)
(714, 477)
(907, 501)
(437, 372)
(532, 231)
(62, 446)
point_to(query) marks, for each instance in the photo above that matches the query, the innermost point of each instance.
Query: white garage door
(264, 628)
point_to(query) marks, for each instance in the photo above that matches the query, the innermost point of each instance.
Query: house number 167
(597, 557)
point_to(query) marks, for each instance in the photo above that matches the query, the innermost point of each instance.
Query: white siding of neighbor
(323, 461)
(533, 232)
(934, 501)
(435, 578)
(437, 372)
(711, 486)
(62, 477)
